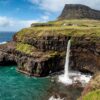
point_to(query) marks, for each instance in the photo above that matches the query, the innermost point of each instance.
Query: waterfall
(67, 60)
(65, 78)
(77, 76)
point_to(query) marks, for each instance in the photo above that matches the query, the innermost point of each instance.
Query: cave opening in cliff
(8, 63)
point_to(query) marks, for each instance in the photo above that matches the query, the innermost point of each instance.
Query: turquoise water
(16, 86)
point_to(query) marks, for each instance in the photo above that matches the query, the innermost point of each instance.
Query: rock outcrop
(40, 50)
(49, 57)
(85, 54)
(92, 90)
(38, 64)
(78, 11)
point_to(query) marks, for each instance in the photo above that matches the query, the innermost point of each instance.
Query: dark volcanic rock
(29, 64)
(78, 11)
(57, 43)
(85, 56)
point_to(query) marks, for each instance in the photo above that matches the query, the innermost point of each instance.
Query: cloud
(24, 23)
(45, 18)
(14, 24)
(4, 21)
(35, 1)
(7, 23)
(50, 5)
(57, 5)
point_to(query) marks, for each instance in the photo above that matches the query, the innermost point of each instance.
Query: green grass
(79, 28)
(25, 48)
(31, 50)
(82, 22)
(94, 95)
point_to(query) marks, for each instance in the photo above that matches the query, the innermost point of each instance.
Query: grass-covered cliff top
(66, 27)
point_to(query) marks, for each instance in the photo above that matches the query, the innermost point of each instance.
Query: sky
(18, 14)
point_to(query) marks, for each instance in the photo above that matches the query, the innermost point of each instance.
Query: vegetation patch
(94, 95)
(25, 48)
(31, 50)
(74, 28)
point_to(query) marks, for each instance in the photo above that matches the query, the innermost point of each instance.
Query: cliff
(92, 90)
(41, 49)
(78, 11)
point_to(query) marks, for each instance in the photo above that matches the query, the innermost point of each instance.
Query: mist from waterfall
(77, 76)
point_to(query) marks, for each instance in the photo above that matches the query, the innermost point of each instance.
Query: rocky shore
(40, 50)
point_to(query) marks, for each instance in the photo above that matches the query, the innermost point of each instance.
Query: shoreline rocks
(84, 57)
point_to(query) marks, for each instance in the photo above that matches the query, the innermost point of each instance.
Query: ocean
(18, 86)
(6, 36)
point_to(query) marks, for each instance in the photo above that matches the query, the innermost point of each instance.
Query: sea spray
(77, 76)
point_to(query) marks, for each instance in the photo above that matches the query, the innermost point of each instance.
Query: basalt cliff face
(46, 58)
(78, 11)
(85, 55)
(40, 50)
(41, 54)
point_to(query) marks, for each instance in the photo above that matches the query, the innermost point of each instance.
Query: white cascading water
(65, 78)
(67, 60)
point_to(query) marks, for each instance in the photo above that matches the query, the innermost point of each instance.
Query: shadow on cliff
(8, 63)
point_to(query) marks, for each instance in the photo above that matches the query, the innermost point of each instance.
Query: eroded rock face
(78, 11)
(46, 43)
(84, 56)
(28, 64)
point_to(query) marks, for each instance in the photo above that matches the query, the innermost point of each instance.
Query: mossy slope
(90, 28)
(94, 95)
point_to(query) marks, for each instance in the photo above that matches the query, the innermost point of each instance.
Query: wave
(4, 42)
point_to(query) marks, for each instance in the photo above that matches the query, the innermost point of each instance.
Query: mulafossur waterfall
(65, 78)
(77, 76)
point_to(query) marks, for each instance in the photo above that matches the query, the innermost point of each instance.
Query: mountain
(78, 11)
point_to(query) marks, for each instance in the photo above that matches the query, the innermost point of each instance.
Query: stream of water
(70, 77)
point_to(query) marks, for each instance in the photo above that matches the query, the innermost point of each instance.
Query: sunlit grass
(85, 27)
(25, 48)
(94, 95)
